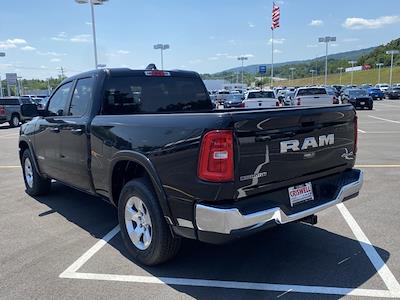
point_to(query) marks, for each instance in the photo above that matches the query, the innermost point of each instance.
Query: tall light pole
(92, 4)
(2, 54)
(392, 53)
(340, 76)
(352, 62)
(242, 59)
(292, 69)
(326, 40)
(312, 76)
(379, 65)
(161, 47)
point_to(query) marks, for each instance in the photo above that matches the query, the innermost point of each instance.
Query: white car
(314, 96)
(382, 86)
(260, 99)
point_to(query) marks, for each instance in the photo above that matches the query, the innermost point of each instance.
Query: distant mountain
(349, 55)
(378, 55)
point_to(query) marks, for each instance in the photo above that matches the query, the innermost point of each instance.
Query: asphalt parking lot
(67, 245)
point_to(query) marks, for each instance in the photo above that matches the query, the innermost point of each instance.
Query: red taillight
(298, 101)
(355, 134)
(157, 73)
(241, 104)
(216, 156)
(2, 111)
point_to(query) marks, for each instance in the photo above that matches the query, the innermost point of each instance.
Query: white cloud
(28, 48)
(50, 53)
(251, 24)
(281, 2)
(61, 36)
(334, 45)
(277, 51)
(12, 43)
(312, 46)
(88, 23)
(55, 60)
(6, 45)
(195, 61)
(221, 54)
(348, 40)
(17, 41)
(123, 52)
(213, 58)
(361, 23)
(277, 41)
(43, 67)
(248, 55)
(316, 23)
(81, 38)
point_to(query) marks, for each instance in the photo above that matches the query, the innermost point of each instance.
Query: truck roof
(129, 72)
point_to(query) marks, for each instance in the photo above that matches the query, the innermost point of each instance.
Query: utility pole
(340, 76)
(392, 53)
(352, 62)
(326, 40)
(379, 65)
(242, 59)
(292, 69)
(2, 54)
(312, 76)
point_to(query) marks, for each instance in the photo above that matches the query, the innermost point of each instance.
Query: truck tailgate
(275, 147)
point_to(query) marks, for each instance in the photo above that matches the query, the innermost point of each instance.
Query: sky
(41, 36)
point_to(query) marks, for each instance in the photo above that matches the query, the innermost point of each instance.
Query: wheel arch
(24, 144)
(131, 159)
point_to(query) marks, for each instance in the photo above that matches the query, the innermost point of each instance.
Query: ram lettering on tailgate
(309, 142)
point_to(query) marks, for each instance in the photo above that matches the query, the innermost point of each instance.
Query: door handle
(55, 129)
(77, 131)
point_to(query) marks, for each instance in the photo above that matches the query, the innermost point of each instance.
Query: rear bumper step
(226, 220)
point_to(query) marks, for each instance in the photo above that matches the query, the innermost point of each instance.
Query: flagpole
(272, 57)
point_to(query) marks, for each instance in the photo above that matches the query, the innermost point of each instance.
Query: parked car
(358, 98)
(10, 110)
(314, 96)
(375, 93)
(40, 102)
(260, 99)
(149, 142)
(393, 92)
(289, 98)
(382, 86)
(234, 99)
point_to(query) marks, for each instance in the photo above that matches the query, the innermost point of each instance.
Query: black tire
(370, 107)
(163, 245)
(40, 185)
(14, 122)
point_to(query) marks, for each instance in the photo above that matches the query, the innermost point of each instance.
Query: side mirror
(29, 110)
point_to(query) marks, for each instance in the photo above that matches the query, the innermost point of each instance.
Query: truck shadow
(296, 254)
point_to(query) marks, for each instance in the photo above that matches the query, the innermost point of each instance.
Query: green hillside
(359, 77)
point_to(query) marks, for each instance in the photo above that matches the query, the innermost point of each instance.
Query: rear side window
(261, 94)
(59, 100)
(133, 95)
(81, 97)
(311, 91)
(25, 100)
(10, 101)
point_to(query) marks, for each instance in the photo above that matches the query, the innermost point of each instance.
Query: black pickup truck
(149, 142)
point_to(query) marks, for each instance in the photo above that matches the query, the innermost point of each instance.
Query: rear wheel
(144, 231)
(34, 183)
(14, 122)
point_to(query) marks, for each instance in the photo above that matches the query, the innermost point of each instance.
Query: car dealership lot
(45, 241)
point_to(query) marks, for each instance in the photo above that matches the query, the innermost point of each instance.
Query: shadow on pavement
(292, 254)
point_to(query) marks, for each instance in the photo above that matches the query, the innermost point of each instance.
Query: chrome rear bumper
(218, 220)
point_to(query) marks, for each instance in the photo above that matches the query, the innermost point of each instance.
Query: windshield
(311, 91)
(358, 93)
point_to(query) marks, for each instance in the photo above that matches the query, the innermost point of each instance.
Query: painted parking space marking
(377, 166)
(9, 167)
(383, 271)
(387, 120)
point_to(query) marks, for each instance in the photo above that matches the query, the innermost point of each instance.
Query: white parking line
(386, 275)
(382, 269)
(9, 135)
(387, 120)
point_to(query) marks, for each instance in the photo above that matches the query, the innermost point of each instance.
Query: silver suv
(10, 110)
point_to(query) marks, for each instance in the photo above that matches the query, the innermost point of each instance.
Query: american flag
(276, 14)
